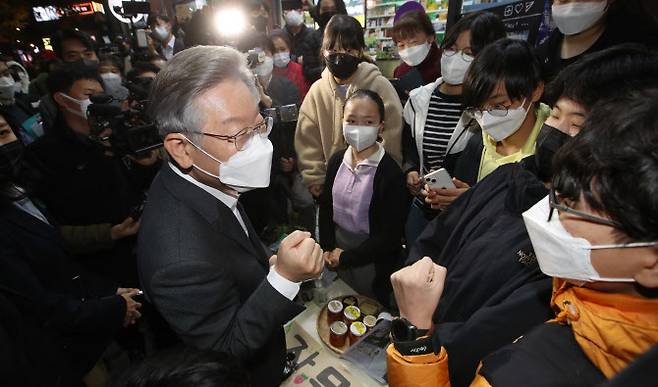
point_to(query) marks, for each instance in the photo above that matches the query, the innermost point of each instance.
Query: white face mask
(294, 18)
(246, 169)
(265, 69)
(282, 59)
(499, 128)
(575, 17)
(562, 255)
(454, 67)
(413, 56)
(160, 33)
(83, 105)
(111, 81)
(360, 137)
(7, 90)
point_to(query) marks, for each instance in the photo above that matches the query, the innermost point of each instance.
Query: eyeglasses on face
(555, 205)
(242, 137)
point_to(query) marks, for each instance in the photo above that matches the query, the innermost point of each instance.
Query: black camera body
(132, 133)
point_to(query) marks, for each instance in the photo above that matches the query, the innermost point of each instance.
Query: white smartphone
(439, 179)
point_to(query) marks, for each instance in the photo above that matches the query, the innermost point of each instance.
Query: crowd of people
(161, 209)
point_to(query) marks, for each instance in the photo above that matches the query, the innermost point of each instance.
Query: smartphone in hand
(439, 179)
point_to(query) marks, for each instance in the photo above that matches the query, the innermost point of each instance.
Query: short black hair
(510, 61)
(485, 28)
(69, 34)
(153, 18)
(140, 68)
(62, 78)
(604, 74)
(344, 31)
(340, 7)
(186, 367)
(613, 163)
(374, 97)
(411, 23)
(111, 60)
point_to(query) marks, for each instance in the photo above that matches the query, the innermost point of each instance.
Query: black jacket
(494, 290)
(297, 41)
(45, 283)
(532, 357)
(81, 186)
(387, 216)
(208, 279)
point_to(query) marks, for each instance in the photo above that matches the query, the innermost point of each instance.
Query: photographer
(279, 97)
(81, 180)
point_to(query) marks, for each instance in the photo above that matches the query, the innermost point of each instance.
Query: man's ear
(648, 276)
(179, 149)
(60, 100)
(537, 93)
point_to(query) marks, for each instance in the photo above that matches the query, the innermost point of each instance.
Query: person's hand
(442, 198)
(287, 164)
(300, 60)
(299, 258)
(264, 98)
(413, 182)
(316, 190)
(126, 228)
(128, 291)
(417, 290)
(132, 310)
(332, 258)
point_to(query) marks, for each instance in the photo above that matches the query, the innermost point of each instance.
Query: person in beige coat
(319, 131)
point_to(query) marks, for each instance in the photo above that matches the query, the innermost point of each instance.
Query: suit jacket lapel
(31, 224)
(261, 253)
(210, 208)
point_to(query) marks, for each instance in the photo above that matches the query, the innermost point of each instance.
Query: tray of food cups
(344, 320)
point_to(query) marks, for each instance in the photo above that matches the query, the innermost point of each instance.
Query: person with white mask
(363, 206)
(420, 57)
(284, 65)
(297, 31)
(502, 89)
(200, 261)
(584, 27)
(264, 206)
(111, 71)
(166, 44)
(433, 112)
(21, 116)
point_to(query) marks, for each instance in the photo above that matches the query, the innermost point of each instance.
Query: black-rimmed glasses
(553, 202)
(242, 137)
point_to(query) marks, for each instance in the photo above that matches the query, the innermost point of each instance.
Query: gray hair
(188, 75)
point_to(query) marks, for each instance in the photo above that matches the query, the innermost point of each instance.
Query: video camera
(132, 133)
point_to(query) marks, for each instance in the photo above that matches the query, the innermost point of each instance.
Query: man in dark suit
(167, 44)
(200, 261)
(68, 316)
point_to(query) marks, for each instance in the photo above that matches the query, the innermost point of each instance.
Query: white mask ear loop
(205, 153)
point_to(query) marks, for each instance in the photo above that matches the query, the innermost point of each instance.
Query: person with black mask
(310, 49)
(319, 131)
(79, 178)
(494, 290)
(75, 313)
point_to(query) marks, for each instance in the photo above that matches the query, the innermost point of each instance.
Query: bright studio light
(230, 22)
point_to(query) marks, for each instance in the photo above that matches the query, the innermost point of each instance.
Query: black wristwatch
(403, 330)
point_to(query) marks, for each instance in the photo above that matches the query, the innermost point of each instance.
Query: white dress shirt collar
(230, 201)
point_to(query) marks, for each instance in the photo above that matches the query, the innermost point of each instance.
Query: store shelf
(381, 16)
